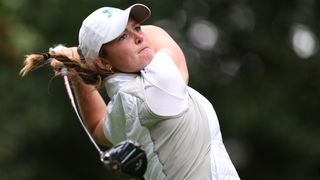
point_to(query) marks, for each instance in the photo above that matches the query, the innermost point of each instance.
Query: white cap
(106, 24)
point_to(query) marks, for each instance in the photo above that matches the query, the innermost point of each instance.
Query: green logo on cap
(109, 11)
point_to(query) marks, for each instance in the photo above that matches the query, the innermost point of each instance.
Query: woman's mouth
(143, 49)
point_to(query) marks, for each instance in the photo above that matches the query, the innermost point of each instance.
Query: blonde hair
(89, 73)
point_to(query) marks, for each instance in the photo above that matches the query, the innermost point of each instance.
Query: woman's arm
(161, 40)
(91, 104)
(92, 108)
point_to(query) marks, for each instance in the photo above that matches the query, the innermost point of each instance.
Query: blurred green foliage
(241, 56)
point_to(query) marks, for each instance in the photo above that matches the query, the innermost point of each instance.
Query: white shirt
(163, 83)
(175, 125)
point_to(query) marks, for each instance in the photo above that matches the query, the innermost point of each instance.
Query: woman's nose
(138, 38)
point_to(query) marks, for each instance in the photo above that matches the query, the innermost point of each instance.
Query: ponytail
(31, 62)
(89, 73)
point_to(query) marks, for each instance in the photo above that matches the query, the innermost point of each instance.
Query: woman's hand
(71, 53)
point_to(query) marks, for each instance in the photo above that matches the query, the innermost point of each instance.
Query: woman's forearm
(92, 108)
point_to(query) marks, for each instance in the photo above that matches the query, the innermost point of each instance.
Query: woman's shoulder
(161, 40)
(152, 28)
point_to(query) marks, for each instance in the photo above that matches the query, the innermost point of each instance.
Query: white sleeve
(165, 90)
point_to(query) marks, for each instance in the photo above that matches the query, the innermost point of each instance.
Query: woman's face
(131, 51)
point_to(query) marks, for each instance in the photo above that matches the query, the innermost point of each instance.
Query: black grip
(127, 158)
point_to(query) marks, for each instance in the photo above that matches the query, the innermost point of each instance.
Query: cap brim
(139, 12)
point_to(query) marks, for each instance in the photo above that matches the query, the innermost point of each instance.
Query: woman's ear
(102, 64)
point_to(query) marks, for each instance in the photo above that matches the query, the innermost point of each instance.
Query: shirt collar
(114, 82)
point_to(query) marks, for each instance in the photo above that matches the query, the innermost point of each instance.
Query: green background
(256, 61)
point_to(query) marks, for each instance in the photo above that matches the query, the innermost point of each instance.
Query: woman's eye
(122, 37)
(138, 28)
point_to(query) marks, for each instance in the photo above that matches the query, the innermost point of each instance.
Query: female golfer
(146, 78)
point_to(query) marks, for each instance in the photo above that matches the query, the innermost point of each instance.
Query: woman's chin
(147, 54)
